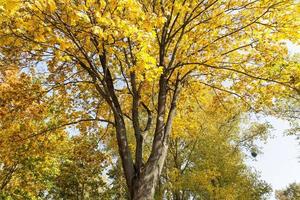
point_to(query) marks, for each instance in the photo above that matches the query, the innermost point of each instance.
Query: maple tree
(49, 164)
(26, 161)
(123, 64)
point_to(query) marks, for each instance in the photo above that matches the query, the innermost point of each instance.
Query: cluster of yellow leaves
(232, 38)
(19, 97)
(111, 22)
(9, 7)
(25, 159)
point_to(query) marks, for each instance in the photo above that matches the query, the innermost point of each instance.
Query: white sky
(293, 48)
(279, 164)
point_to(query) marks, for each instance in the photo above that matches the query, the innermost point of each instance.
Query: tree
(50, 164)
(81, 171)
(292, 192)
(118, 61)
(27, 164)
(205, 160)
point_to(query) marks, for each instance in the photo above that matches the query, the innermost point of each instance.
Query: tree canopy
(121, 69)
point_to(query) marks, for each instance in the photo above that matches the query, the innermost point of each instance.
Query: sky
(279, 165)
(293, 48)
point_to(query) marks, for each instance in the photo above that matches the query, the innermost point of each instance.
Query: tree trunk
(145, 181)
(144, 186)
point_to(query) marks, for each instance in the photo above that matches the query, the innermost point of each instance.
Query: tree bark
(144, 186)
(145, 181)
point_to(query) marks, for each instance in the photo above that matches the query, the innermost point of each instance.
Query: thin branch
(64, 125)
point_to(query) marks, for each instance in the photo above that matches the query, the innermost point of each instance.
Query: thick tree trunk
(144, 186)
(146, 180)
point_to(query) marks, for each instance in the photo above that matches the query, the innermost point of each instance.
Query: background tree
(82, 173)
(292, 192)
(205, 159)
(38, 159)
(27, 164)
